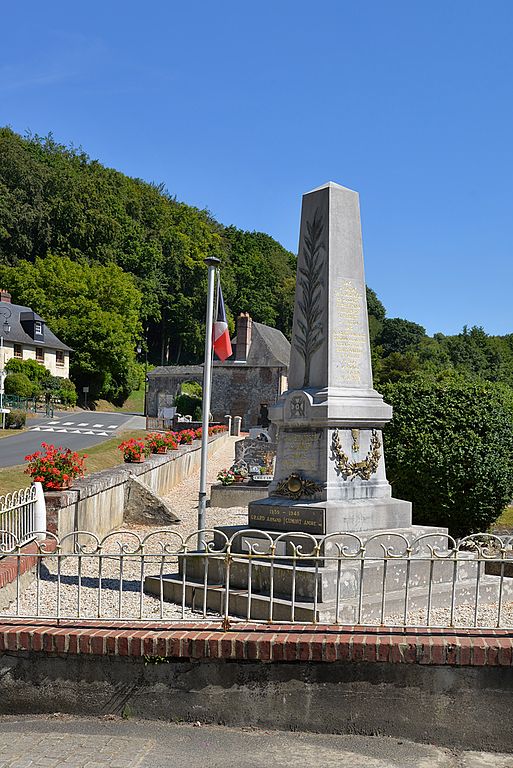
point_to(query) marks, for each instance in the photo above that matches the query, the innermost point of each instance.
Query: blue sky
(241, 107)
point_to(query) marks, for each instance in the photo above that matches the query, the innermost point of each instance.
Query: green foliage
(55, 200)
(59, 389)
(398, 335)
(186, 405)
(19, 384)
(15, 419)
(34, 371)
(95, 309)
(192, 388)
(449, 450)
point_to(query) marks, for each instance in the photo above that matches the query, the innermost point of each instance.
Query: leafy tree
(449, 450)
(56, 200)
(398, 335)
(95, 309)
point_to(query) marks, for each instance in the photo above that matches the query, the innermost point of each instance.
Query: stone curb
(265, 643)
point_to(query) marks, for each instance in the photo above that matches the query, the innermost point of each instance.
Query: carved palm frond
(310, 336)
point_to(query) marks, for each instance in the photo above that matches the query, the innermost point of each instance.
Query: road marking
(97, 426)
(53, 422)
(67, 423)
(103, 433)
(112, 426)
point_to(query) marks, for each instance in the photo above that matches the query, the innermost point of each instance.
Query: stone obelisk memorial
(330, 465)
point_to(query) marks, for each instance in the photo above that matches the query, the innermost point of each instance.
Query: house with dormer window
(26, 336)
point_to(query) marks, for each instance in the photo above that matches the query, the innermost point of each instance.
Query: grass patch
(100, 456)
(506, 518)
(133, 404)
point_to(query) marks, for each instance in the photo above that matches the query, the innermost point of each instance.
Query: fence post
(236, 425)
(229, 423)
(40, 512)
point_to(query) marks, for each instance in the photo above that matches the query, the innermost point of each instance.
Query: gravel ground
(78, 592)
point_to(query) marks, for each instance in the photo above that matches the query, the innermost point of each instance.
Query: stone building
(25, 336)
(255, 374)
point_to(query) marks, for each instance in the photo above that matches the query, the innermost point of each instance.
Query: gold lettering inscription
(349, 339)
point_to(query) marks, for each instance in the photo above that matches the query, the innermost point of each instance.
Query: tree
(56, 200)
(398, 335)
(449, 450)
(94, 309)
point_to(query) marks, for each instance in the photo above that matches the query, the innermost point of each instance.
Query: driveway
(71, 430)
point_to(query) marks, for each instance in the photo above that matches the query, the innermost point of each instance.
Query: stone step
(304, 581)
(324, 611)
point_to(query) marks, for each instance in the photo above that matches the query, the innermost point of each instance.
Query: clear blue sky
(241, 107)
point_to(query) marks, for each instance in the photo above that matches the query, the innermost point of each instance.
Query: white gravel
(78, 593)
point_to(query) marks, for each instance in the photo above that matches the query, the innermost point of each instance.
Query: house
(256, 374)
(26, 336)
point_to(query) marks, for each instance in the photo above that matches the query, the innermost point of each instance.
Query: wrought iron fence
(21, 513)
(341, 578)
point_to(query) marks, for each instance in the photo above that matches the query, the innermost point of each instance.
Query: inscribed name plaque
(289, 517)
(301, 452)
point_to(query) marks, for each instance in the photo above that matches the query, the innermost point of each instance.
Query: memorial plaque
(272, 517)
(254, 451)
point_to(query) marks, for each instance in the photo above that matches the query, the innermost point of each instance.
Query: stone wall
(444, 686)
(96, 503)
(236, 390)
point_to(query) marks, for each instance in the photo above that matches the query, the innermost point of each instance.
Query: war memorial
(329, 542)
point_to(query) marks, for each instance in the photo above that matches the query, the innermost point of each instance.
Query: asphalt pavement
(71, 430)
(55, 741)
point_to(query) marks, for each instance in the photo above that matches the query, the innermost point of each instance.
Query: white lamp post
(5, 329)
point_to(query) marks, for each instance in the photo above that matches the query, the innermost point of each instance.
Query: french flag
(222, 343)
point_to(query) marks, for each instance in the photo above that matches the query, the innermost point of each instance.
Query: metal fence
(21, 513)
(342, 578)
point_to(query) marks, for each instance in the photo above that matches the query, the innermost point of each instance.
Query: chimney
(244, 323)
(5, 296)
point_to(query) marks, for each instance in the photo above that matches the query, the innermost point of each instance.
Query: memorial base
(329, 589)
(318, 518)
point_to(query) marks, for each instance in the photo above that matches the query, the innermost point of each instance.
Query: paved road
(52, 742)
(73, 430)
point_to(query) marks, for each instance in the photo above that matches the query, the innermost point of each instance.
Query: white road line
(97, 426)
(112, 426)
(67, 423)
(83, 424)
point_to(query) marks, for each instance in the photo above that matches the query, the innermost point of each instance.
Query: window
(18, 350)
(40, 355)
(59, 357)
(38, 328)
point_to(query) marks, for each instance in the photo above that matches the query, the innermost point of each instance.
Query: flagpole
(212, 264)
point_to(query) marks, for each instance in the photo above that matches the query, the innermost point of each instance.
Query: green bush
(187, 405)
(15, 419)
(33, 370)
(19, 384)
(449, 450)
(63, 390)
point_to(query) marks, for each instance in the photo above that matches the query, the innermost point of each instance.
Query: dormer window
(38, 327)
